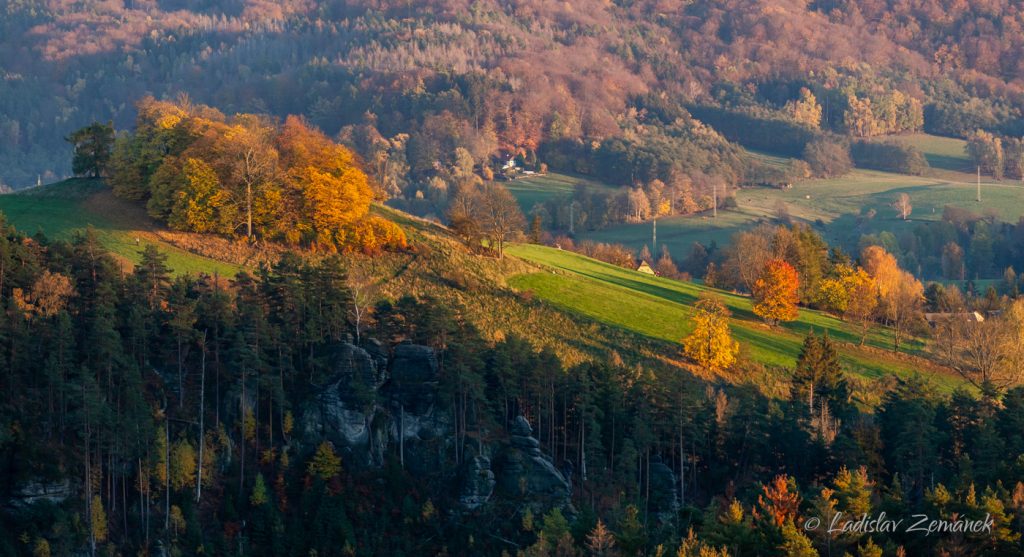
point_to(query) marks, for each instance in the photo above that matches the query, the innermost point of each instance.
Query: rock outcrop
(477, 483)
(370, 404)
(664, 501)
(33, 492)
(524, 473)
(373, 405)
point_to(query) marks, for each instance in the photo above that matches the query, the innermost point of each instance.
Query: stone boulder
(414, 374)
(344, 410)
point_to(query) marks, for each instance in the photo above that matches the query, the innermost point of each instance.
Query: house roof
(968, 316)
(645, 268)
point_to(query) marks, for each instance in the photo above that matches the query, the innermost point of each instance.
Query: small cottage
(645, 268)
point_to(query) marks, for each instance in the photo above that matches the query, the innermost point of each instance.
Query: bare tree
(252, 160)
(363, 291)
(464, 216)
(747, 256)
(983, 352)
(500, 216)
(903, 206)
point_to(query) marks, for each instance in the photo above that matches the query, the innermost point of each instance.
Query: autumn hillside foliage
(247, 175)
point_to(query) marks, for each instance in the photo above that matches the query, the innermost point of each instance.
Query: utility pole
(978, 197)
(654, 236)
(571, 231)
(714, 204)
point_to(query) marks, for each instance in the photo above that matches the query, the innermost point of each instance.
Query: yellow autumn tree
(859, 117)
(775, 292)
(183, 465)
(98, 519)
(806, 109)
(371, 235)
(325, 463)
(900, 295)
(200, 205)
(325, 184)
(710, 344)
(861, 301)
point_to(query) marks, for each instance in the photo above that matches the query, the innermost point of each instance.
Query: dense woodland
(168, 407)
(412, 83)
(162, 414)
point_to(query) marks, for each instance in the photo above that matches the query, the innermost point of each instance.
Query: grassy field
(834, 206)
(540, 188)
(942, 153)
(660, 308)
(63, 209)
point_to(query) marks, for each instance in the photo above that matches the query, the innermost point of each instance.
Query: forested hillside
(370, 406)
(375, 278)
(418, 80)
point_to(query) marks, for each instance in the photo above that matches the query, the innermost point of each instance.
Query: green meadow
(67, 208)
(841, 209)
(661, 309)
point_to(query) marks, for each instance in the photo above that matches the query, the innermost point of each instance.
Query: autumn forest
(711, 278)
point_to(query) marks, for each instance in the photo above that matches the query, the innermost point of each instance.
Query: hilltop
(63, 209)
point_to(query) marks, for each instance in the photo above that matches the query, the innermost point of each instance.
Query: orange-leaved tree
(323, 180)
(775, 292)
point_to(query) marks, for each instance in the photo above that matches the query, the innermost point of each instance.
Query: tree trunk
(248, 210)
(241, 443)
(202, 412)
(167, 471)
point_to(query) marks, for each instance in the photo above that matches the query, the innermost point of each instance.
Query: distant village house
(645, 268)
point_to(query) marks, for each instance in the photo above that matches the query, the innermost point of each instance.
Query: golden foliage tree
(331, 191)
(248, 175)
(183, 465)
(600, 541)
(711, 344)
(779, 501)
(48, 296)
(325, 463)
(200, 204)
(98, 519)
(900, 295)
(862, 301)
(806, 109)
(775, 292)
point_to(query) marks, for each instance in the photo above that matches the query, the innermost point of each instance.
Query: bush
(775, 135)
(828, 157)
(889, 155)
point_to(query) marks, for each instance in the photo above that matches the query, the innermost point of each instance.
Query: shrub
(889, 155)
(828, 157)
